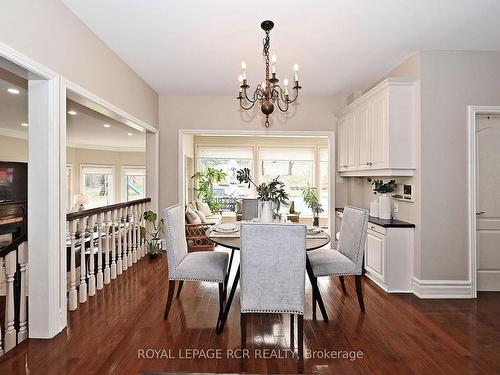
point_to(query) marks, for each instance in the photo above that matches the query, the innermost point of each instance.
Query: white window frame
(111, 190)
(137, 171)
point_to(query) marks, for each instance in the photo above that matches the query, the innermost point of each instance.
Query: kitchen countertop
(392, 223)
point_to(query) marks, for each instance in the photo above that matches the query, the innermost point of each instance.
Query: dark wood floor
(397, 334)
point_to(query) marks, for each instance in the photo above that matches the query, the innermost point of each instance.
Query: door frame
(332, 171)
(473, 111)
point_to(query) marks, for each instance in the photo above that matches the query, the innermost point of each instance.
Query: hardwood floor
(397, 334)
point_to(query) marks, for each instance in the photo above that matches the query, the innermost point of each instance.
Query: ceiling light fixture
(107, 125)
(24, 124)
(13, 91)
(129, 134)
(72, 113)
(268, 92)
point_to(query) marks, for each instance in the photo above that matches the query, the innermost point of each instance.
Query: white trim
(473, 111)
(272, 133)
(378, 172)
(105, 148)
(442, 288)
(25, 62)
(11, 133)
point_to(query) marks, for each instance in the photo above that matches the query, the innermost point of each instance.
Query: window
(134, 183)
(324, 182)
(295, 166)
(229, 160)
(97, 184)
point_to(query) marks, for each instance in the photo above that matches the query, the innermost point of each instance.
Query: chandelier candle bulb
(296, 72)
(244, 69)
(273, 60)
(285, 82)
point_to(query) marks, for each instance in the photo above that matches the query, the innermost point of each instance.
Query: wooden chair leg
(171, 288)
(359, 292)
(300, 329)
(292, 338)
(342, 284)
(179, 289)
(243, 334)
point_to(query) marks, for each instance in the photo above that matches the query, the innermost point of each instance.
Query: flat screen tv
(13, 181)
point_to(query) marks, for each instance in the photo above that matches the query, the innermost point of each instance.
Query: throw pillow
(201, 215)
(204, 207)
(192, 217)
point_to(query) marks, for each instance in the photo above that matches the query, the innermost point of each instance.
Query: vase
(384, 207)
(266, 212)
(374, 208)
(316, 221)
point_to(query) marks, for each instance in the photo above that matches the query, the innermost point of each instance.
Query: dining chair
(272, 267)
(250, 209)
(347, 259)
(183, 266)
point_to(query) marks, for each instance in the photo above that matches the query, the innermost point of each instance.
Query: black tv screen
(13, 181)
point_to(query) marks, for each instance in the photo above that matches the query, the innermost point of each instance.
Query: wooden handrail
(94, 211)
(13, 245)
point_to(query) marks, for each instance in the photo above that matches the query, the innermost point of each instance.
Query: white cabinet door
(375, 254)
(342, 144)
(352, 142)
(364, 138)
(379, 133)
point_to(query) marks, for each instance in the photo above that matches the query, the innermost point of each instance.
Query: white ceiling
(194, 47)
(84, 130)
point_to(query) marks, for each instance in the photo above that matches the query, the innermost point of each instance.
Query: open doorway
(300, 160)
(484, 155)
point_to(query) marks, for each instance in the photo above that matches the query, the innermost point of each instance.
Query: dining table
(232, 241)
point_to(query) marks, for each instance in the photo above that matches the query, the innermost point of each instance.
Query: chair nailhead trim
(273, 311)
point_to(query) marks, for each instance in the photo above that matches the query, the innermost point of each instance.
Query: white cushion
(326, 262)
(201, 215)
(192, 217)
(203, 266)
(204, 207)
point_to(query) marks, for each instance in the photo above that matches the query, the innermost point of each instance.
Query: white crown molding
(13, 133)
(442, 288)
(105, 148)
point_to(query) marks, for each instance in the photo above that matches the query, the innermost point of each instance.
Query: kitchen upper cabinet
(377, 132)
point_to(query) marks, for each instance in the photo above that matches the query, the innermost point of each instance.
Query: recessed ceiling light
(13, 91)
(72, 113)
(129, 134)
(24, 124)
(107, 125)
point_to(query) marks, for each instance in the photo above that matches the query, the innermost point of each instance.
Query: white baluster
(113, 245)
(107, 225)
(129, 241)
(10, 330)
(23, 263)
(82, 289)
(119, 264)
(72, 295)
(133, 223)
(91, 281)
(125, 248)
(140, 250)
(100, 278)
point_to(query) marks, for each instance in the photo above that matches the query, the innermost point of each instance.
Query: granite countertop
(393, 223)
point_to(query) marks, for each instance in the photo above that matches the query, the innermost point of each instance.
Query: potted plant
(272, 194)
(152, 237)
(384, 201)
(205, 189)
(312, 201)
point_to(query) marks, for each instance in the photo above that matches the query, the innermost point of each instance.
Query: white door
(488, 203)
(379, 136)
(352, 144)
(375, 253)
(364, 130)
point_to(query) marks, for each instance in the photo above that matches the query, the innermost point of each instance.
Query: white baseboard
(442, 288)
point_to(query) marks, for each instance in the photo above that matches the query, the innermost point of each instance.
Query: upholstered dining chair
(347, 259)
(183, 266)
(272, 266)
(250, 209)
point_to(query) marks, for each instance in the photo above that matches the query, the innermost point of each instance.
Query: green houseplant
(311, 199)
(273, 192)
(152, 234)
(205, 189)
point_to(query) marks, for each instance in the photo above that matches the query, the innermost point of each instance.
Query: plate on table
(314, 230)
(227, 228)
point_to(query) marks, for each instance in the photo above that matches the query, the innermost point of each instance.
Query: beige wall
(223, 113)
(16, 149)
(449, 81)
(49, 33)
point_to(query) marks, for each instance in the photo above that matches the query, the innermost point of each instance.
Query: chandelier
(269, 92)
